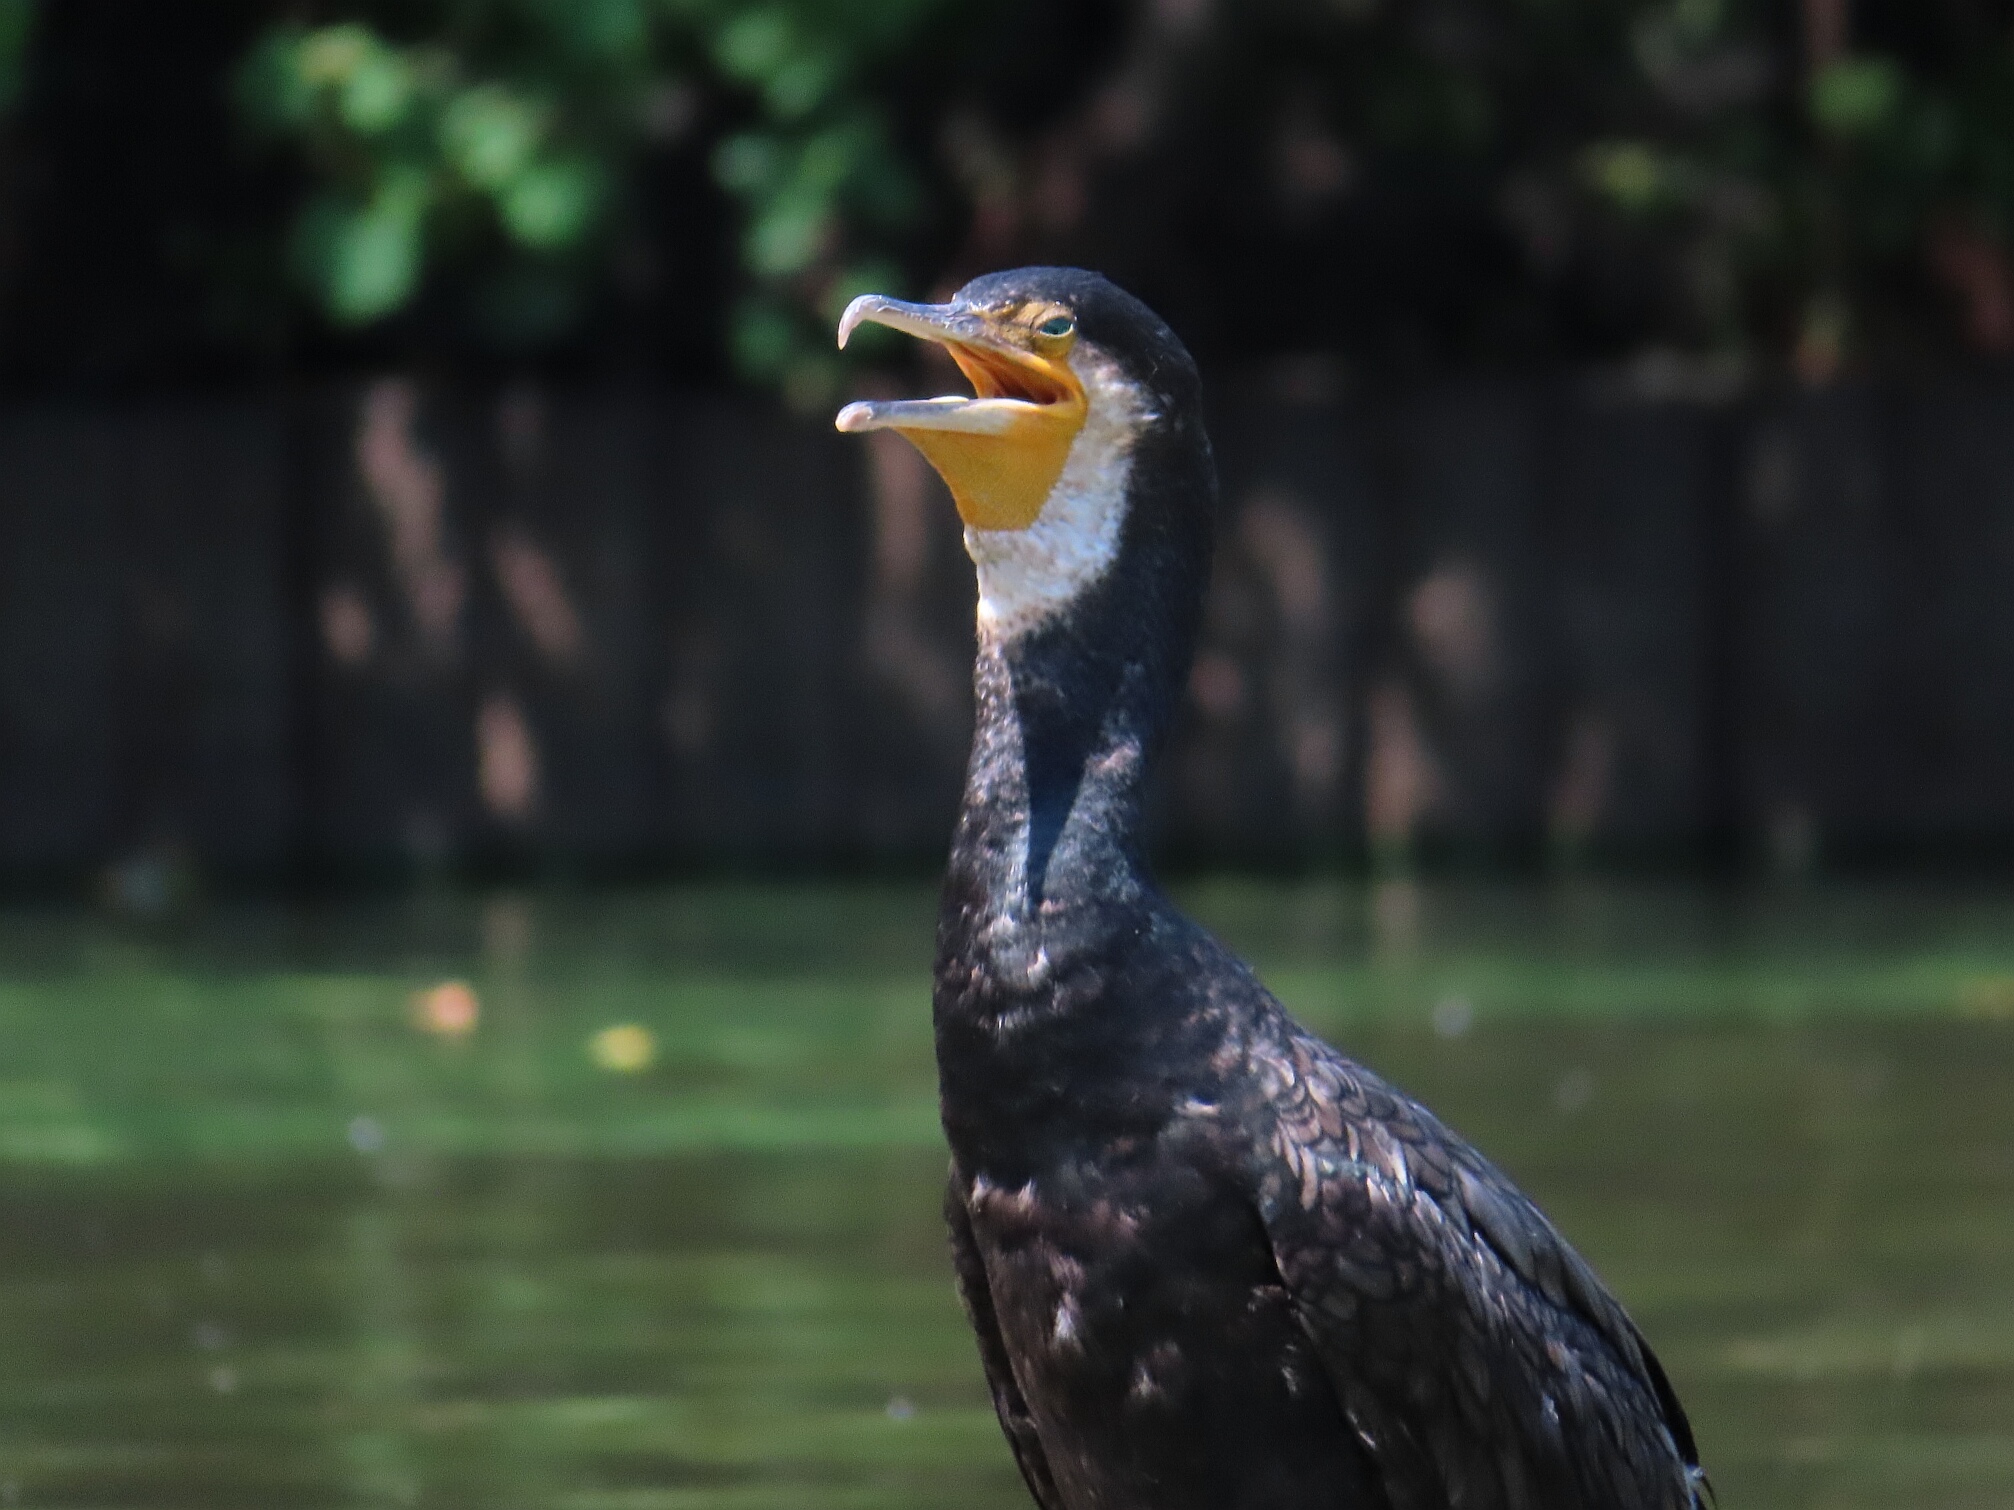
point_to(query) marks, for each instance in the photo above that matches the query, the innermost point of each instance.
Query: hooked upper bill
(1002, 449)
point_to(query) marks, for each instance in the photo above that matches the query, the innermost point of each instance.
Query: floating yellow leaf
(624, 1048)
(1990, 996)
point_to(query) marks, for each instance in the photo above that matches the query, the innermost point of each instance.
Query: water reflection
(270, 1241)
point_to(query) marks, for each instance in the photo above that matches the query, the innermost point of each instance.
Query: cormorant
(1212, 1263)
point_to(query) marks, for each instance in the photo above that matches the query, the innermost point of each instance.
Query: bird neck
(1072, 701)
(1048, 850)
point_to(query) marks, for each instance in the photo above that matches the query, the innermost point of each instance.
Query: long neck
(1049, 848)
(1052, 934)
(1054, 791)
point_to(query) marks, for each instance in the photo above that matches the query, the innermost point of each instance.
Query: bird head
(1074, 382)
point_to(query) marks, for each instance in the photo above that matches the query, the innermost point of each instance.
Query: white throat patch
(1025, 576)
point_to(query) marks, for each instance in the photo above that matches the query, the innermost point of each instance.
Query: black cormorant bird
(1211, 1262)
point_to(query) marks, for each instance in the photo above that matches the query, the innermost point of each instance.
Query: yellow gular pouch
(1000, 482)
(1002, 450)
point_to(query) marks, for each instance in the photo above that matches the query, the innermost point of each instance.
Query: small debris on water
(210, 1337)
(1574, 1091)
(150, 886)
(1454, 1016)
(901, 1408)
(449, 1010)
(366, 1135)
(224, 1380)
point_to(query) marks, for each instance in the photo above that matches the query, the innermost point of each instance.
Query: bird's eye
(1056, 327)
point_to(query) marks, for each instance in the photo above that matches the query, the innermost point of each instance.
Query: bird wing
(1474, 1353)
(1016, 1420)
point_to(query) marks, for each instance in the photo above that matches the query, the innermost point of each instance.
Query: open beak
(1001, 450)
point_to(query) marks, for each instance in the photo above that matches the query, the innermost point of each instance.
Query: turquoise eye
(1057, 326)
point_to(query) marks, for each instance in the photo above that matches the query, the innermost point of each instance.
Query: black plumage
(1213, 1264)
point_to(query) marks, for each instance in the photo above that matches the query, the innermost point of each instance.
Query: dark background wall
(395, 626)
(583, 603)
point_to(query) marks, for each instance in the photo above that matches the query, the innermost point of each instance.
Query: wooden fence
(397, 626)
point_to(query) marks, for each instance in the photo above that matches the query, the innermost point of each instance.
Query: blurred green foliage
(496, 137)
(1829, 176)
(17, 25)
(1803, 179)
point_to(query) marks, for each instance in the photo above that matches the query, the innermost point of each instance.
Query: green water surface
(265, 1243)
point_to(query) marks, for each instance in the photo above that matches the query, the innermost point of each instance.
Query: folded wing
(1475, 1354)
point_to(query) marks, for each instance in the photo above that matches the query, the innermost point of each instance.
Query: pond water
(277, 1231)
